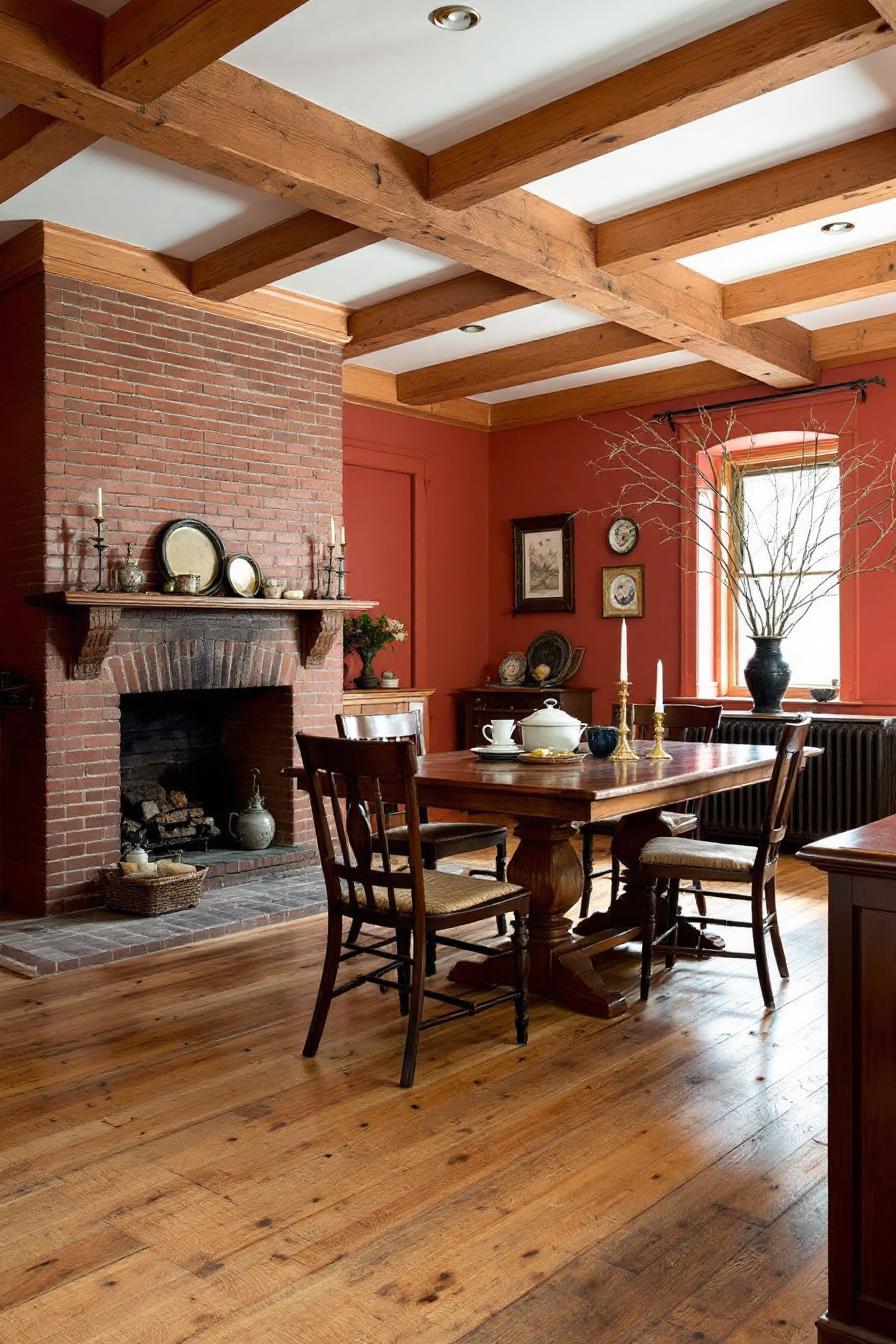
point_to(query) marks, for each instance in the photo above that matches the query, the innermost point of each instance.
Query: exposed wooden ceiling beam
(648, 389)
(854, 342)
(861, 172)
(766, 51)
(32, 144)
(887, 10)
(231, 124)
(571, 352)
(377, 388)
(819, 284)
(432, 309)
(274, 253)
(150, 46)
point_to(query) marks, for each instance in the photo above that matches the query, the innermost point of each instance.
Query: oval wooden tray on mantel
(319, 619)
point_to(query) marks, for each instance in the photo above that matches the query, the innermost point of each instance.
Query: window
(777, 521)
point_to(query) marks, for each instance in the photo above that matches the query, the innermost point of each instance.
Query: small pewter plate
(190, 546)
(243, 575)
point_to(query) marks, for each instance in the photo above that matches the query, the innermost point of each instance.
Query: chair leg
(699, 898)
(771, 902)
(415, 1014)
(325, 988)
(520, 941)
(501, 876)
(648, 935)
(403, 949)
(587, 866)
(354, 931)
(759, 948)
(672, 898)
(615, 879)
(431, 966)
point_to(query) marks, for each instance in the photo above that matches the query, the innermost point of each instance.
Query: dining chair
(684, 723)
(670, 860)
(355, 777)
(438, 839)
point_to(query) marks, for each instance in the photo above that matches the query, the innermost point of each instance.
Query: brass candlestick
(623, 751)
(656, 752)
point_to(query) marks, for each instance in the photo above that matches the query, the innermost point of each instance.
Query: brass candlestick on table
(623, 751)
(657, 753)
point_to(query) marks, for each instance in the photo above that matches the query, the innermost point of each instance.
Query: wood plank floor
(174, 1170)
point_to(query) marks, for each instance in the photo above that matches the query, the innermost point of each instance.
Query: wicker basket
(152, 895)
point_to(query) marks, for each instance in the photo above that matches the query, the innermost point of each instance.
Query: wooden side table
(861, 868)
(400, 701)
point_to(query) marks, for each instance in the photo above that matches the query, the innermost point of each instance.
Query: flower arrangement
(367, 636)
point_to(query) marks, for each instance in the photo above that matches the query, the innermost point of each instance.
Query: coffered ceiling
(617, 194)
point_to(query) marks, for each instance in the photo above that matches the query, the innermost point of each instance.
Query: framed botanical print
(543, 570)
(624, 590)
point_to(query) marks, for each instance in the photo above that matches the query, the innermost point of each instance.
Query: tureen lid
(550, 715)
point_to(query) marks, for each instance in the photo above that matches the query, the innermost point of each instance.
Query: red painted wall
(545, 469)
(379, 526)
(451, 522)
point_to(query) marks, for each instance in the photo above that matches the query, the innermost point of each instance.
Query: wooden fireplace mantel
(319, 620)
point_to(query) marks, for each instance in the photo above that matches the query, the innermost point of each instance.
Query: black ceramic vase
(767, 675)
(368, 680)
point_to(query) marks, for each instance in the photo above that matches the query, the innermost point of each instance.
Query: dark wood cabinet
(481, 704)
(861, 868)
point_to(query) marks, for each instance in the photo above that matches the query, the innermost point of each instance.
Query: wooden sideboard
(861, 868)
(481, 704)
(400, 701)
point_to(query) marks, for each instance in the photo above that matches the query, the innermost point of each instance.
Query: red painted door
(379, 523)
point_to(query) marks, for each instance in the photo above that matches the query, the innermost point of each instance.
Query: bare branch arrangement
(775, 541)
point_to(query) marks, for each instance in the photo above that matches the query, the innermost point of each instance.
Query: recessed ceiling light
(472, 328)
(838, 226)
(454, 18)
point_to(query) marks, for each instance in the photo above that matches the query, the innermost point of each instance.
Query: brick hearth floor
(34, 947)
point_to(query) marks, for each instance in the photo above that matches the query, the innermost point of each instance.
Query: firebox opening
(186, 758)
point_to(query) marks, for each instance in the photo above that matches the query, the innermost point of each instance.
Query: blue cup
(602, 740)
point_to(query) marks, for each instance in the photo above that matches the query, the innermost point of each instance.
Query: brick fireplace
(175, 412)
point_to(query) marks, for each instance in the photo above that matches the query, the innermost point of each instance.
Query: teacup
(499, 733)
(602, 740)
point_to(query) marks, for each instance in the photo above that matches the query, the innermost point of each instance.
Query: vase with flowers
(368, 636)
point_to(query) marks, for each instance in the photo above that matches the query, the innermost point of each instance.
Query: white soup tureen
(552, 728)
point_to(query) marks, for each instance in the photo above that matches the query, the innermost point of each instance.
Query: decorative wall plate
(622, 535)
(190, 546)
(512, 669)
(551, 649)
(243, 575)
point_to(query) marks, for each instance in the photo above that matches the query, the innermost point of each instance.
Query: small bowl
(823, 693)
(186, 584)
(602, 740)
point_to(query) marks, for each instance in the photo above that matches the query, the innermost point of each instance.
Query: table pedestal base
(560, 968)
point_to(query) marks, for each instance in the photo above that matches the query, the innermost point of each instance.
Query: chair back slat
(781, 789)
(356, 778)
(381, 728)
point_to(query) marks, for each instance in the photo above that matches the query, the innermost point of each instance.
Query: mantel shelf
(319, 619)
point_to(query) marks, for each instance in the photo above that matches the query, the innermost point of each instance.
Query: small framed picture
(624, 590)
(622, 535)
(543, 563)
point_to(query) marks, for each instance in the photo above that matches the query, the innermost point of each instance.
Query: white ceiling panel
(528, 324)
(861, 310)
(874, 224)
(390, 69)
(828, 109)
(633, 369)
(372, 274)
(138, 198)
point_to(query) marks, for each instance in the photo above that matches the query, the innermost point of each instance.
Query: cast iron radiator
(854, 782)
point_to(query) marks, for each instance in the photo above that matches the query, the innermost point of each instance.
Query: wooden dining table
(545, 804)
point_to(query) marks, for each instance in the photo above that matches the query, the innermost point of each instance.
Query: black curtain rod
(859, 385)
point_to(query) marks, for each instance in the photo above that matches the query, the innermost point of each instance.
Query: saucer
(506, 753)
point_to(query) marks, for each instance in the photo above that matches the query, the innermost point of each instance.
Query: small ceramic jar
(131, 577)
(273, 588)
(186, 585)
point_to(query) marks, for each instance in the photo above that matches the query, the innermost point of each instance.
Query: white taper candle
(623, 653)
(660, 707)
(99, 502)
